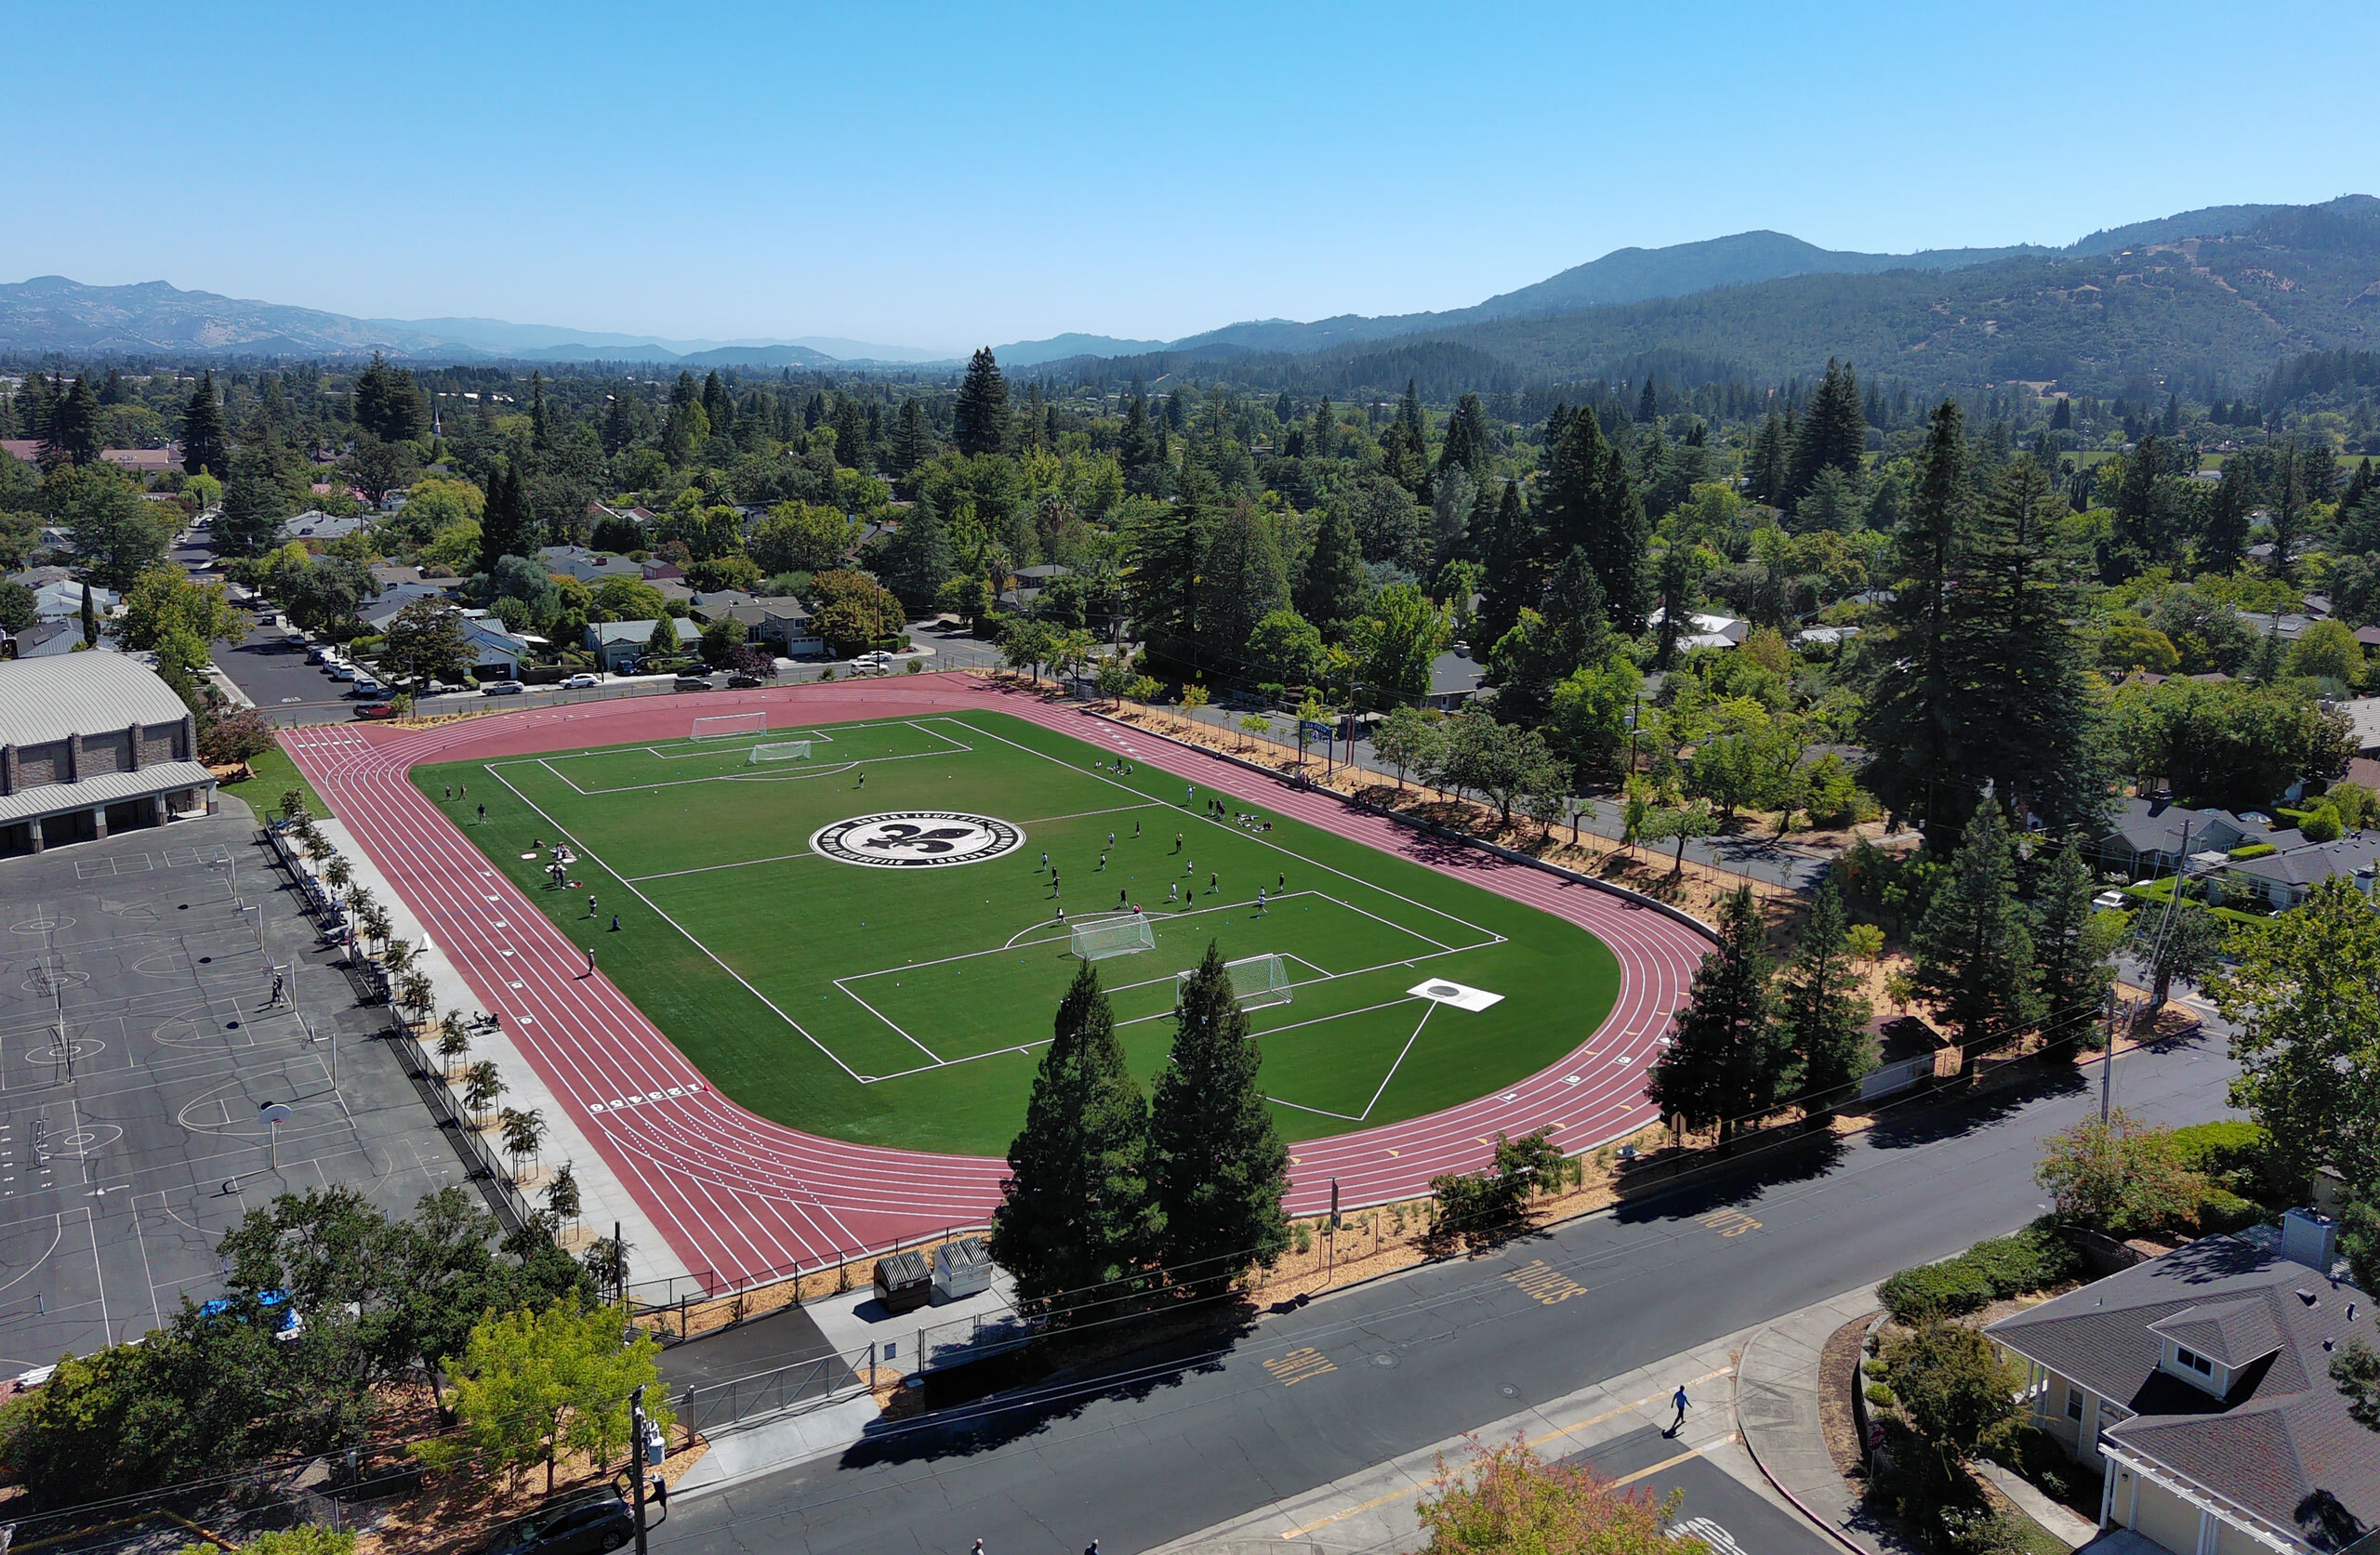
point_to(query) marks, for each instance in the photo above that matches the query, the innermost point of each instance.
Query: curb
(1745, 1436)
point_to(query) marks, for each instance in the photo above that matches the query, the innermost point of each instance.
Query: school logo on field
(916, 838)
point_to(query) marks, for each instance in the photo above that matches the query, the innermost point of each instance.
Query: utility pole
(636, 1461)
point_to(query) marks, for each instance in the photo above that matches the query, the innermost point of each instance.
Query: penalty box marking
(707, 747)
(1048, 938)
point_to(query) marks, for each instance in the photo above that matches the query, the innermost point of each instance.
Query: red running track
(744, 1198)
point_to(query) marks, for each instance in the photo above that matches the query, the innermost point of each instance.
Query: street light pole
(636, 1461)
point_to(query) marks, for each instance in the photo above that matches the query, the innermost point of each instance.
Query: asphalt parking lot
(136, 1052)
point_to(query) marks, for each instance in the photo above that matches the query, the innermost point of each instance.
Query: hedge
(1992, 1270)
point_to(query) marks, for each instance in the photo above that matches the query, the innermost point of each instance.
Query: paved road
(1388, 1368)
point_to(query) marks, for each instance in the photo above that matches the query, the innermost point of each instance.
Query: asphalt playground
(138, 1052)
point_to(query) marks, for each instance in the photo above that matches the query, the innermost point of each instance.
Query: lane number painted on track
(1302, 1365)
(1543, 1283)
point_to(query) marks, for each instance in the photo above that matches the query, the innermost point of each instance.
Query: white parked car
(339, 669)
(2107, 900)
(581, 682)
(502, 688)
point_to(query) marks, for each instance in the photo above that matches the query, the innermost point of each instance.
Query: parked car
(340, 671)
(743, 682)
(582, 683)
(366, 686)
(377, 710)
(502, 688)
(692, 684)
(573, 1526)
(2107, 900)
(319, 654)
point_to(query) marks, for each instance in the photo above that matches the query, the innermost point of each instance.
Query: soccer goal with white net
(781, 750)
(726, 726)
(1101, 938)
(1256, 981)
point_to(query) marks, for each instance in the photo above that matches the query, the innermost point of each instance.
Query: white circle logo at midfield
(916, 838)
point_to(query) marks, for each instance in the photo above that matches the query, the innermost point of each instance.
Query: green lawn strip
(275, 775)
(969, 960)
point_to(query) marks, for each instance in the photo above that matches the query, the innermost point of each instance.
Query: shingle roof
(43, 700)
(2281, 1444)
(2232, 1332)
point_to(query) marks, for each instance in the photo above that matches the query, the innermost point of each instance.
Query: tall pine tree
(1335, 579)
(982, 411)
(2028, 720)
(1726, 1057)
(1832, 436)
(1912, 717)
(73, 431)
(507, 523)
(1974, 949)
(1820, 1012)
(253, 503)
(206, 441)
(1509, 550)
(1218, 1167)
(2071, 943)
(1077, 1214)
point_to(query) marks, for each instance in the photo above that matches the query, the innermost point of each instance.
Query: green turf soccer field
(905, 1003)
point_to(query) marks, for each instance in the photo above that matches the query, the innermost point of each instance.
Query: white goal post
(780, 750)
(726, 726)
(1101, 938)
(1257, 982)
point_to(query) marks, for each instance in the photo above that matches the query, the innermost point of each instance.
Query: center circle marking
(917, 839)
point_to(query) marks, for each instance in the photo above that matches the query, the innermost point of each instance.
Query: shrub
(1935, 1290)
(2033, 1259)
(2239, 1156)
(2252, 850)
(2221, 1210)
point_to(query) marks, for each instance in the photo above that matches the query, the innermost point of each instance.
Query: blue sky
(943, 176)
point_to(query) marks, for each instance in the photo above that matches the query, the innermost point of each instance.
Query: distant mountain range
(2210, 290)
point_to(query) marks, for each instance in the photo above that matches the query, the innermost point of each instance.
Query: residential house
(2283, 878)
(1455, 678)
(1030, 582)
(708, 605)
(2364, 722)
(316, 525)
(143, 461)
(782, 624)
(2149, 836)
(592, 568)
(1706, 630)
(2198, 1384)
(378, 614)
(616, 643)
(62, 599)
(500, 652)
(45, 640)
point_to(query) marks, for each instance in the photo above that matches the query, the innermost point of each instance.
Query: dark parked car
(575, 1526)
(742, 682)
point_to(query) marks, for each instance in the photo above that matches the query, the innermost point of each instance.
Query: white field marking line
(1327, 974)
(586, 853)
(894, 1024)
(1043, 927)
(813, 771)
(1400, 1059)
(1258, 840)
(707, 869)
(1087, 814)
(1315, 1021)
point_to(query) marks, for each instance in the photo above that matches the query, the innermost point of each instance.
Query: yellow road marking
(1729, 1222)
(1535, 1441)
(1300, 1365)
(1673, 1462)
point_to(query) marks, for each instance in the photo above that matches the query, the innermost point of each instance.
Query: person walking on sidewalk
(1678, 1399)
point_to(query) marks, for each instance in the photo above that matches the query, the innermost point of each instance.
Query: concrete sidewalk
(1776, 1410)
(1375, 1510)
(603, 1198)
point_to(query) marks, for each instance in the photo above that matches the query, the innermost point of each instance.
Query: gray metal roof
(48, 699)
(107, 788)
